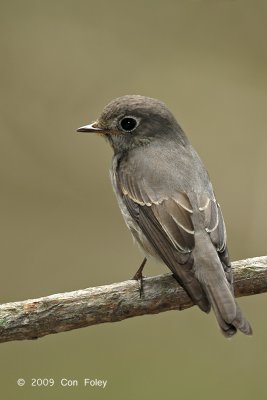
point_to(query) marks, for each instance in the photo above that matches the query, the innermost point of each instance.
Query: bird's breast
(137, 233)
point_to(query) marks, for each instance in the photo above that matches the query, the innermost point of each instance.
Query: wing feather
(167, 225)
(215, 226)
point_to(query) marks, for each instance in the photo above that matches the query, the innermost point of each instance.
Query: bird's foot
(138, 276)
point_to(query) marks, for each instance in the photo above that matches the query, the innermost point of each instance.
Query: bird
(167, 200)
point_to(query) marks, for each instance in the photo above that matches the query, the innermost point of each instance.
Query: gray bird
(167, 200)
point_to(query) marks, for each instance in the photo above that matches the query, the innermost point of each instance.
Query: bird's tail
(227, 311)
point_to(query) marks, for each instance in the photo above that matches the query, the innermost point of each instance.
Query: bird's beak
(90, 128)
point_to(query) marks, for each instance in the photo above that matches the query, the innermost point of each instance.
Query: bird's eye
(128, 124)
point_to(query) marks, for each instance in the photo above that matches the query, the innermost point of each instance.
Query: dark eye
(128, 124)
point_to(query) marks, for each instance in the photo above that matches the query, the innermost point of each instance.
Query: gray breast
(138, 235)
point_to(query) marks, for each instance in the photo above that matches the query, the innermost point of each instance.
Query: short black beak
(89, 128)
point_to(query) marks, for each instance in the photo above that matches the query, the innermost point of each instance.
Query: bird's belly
(138, 235)
(142, 241)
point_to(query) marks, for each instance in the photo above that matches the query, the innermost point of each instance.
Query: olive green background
(61, 230)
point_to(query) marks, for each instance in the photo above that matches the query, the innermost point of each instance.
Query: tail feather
(226, 329)
(227, 311)
(241, 323)
(195, 290)
(215, 276)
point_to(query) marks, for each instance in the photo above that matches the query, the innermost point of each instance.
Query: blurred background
(61, 229)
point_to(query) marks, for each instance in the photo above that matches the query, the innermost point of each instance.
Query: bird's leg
(138, 276)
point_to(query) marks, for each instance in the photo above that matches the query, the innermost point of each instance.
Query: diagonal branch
(31, 319)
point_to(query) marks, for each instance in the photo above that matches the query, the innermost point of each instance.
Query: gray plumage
(167, 201)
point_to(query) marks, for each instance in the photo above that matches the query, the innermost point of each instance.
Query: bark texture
(31, 319)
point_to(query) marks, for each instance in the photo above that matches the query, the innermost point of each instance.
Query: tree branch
(31, 319)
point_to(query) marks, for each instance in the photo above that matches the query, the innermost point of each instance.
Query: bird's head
(131, 121)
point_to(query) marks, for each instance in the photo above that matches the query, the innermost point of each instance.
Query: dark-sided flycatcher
(167, 201)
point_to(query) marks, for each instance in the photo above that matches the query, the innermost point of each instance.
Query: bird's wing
(167, 224)
(166, 221)
(214, 225)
